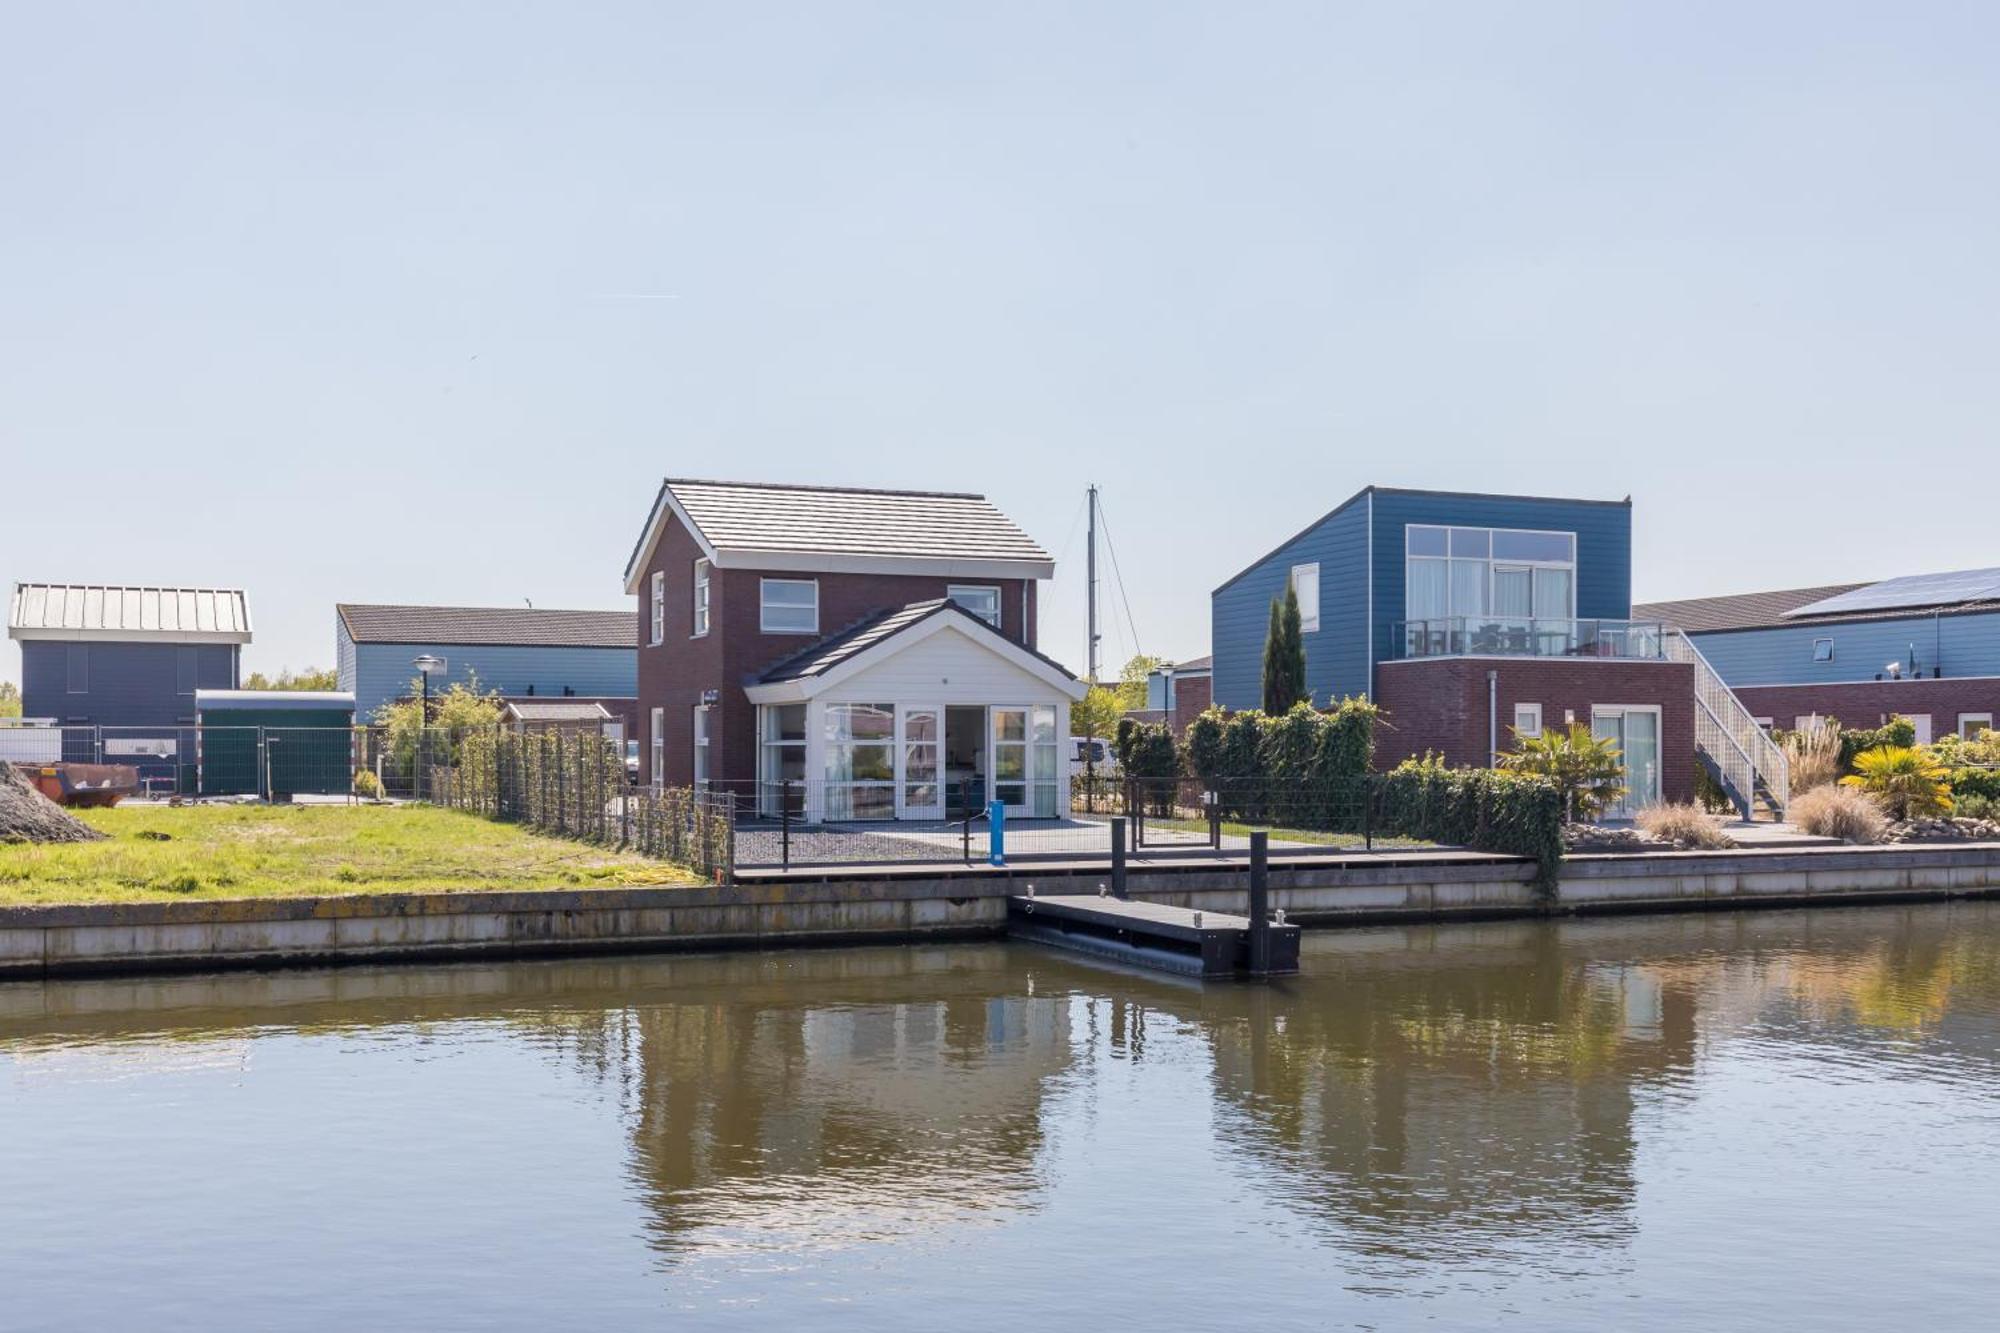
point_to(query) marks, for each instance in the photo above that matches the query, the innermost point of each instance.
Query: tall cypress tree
(1284, 657)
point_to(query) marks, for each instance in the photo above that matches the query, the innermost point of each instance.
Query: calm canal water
(1787, 1119)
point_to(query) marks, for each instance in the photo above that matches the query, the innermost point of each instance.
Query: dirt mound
(28, 816)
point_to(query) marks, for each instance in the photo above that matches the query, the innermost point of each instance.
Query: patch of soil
(28, 816)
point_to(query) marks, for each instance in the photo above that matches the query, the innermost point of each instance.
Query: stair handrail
(1767, 759)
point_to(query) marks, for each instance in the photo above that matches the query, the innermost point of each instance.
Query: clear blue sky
(356, 301)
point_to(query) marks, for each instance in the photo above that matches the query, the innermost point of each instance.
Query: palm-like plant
(1588, 768)
(1906, 780)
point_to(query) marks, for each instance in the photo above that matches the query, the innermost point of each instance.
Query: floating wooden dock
(1171, 939)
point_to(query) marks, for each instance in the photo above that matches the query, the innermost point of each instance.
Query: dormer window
(788, 606)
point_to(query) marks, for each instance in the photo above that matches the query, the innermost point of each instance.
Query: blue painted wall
(380, 673)
(1337, 660)
(127, 684)
(1967, 645)
(1341, 657)
(1603, 546)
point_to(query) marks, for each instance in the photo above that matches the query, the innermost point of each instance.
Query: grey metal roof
(943, 525)
(128, 611)
(1765, 610)
(831, 651)
(512, 626)
(556, 710)
(1195, 664)
(273, 700)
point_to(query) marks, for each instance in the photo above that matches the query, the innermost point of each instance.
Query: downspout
(1493, 719)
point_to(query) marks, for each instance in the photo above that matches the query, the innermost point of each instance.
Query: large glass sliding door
(860, 761)
(1636, 732)
(1027, 760)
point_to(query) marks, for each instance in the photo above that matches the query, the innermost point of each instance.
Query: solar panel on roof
(1965, 585)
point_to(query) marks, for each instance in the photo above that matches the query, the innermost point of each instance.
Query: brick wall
(1869, 703)
(1192, 695)
(1441, 704)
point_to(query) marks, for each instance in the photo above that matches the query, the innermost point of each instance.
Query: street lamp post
(426, 665)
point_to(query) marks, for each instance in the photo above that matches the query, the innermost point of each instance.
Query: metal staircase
(1751, 767)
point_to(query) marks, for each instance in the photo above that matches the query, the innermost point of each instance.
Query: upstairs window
(1305, 582)
(700, 598)
(659, 609)
(1506, 573)
(979, 600)
(788, 606)
(1822, 650)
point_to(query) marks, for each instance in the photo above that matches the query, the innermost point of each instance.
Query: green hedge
(1253, 759)
(1519, 814)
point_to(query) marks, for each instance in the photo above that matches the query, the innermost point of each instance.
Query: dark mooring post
(1118, 857)
(1260, 903)
(785, 825)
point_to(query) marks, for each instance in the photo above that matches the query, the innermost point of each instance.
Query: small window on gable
(700, 598)
(1305, 582)
(659, 608)
(1528, 719)
(1822, 650)
(789, 606)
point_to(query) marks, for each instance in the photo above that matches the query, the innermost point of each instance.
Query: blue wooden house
(124, 655)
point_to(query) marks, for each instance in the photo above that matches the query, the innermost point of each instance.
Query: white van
(1088, 750)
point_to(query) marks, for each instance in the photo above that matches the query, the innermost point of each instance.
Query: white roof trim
(949, 618)
(665, 503)
(130, 635)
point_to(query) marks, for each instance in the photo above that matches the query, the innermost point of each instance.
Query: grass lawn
(252, 851)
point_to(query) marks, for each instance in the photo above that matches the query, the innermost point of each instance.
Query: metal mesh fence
(574, 783)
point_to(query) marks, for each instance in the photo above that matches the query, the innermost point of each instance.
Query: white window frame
(1922, 722)
(1765, 722)
(1533, 711)
(764, 606)
(701, 579)
(1490, 561)
(1967, 719)
(701, 747)
(771, 754)
(659, 593)
(1819, 656)
(953, 591)
(659, 748)
(1308, 607)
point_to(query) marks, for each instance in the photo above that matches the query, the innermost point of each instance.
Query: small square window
(982, 600)
(1971, 725)
(789, 606)
(1527, 719)
(1822, 650)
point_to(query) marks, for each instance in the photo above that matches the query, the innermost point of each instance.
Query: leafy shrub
(1684, 825)
(1587, 770)
(366, 785)
(1817, 754)
(1972, 766)
(1708, 792)
(1839, 812)
(1897, 732)
(1493, 810)
(1975, 805)
(1148, 756)
(1906, 781)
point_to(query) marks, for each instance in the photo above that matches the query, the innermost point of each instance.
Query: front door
(1636, 733)
(1922, 723)
(1009, 747)
(920, 762)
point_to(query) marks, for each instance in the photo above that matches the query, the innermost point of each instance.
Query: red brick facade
(1869, 703)
(1441, 704)
(675, 674)
(1192, 696)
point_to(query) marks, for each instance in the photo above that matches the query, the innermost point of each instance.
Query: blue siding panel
(127, 684)
(1340, 659)
(1337, 654)
(1603, 546)
(382, 672)
(1967, 645)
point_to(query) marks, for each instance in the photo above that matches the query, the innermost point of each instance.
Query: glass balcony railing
(1520, 636)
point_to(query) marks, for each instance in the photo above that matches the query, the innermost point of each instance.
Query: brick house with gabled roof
(874, 649)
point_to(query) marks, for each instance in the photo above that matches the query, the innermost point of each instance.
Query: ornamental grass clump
(1815, 754)
(1685, 825)
(1839, 812)
(1906, 781)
